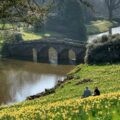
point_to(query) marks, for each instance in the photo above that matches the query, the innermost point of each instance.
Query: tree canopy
(26, 10)
(22, 10)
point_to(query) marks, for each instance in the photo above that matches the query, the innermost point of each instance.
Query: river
(19, 79)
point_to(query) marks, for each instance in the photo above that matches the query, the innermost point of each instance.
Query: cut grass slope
(27, 36)
(66, 102)
(100, 26)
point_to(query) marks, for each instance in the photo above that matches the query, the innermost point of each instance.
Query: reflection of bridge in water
(53, 51)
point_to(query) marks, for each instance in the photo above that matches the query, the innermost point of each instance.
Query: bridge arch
(53, 55)
(72, 56)
(63, 56)
(43, 54)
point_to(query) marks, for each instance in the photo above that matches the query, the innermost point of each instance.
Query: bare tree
(112, 5)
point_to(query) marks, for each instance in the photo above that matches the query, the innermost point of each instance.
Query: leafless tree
(112, 5)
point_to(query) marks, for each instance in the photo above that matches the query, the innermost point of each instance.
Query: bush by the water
(11, 37)
(103, 50)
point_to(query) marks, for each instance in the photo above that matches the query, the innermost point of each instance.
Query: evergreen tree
(74, 21)
(69, 20)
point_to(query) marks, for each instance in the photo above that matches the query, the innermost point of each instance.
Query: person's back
(86, 93)
(96, 92)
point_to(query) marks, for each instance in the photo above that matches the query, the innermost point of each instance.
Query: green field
(27, 36)
(100, 26)
(66, 104)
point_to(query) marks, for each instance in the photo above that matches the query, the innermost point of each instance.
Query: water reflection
(21, 79)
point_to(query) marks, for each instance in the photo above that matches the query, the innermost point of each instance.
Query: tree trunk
(110, 19)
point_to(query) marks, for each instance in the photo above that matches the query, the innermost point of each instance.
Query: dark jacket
(96, 92)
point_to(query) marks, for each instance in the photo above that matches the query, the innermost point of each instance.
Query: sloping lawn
(100, 26)
(66, 102)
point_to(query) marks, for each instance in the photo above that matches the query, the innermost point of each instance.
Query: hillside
(66, 102)
(100, 26)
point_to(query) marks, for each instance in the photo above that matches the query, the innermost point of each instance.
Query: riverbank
(66, 103)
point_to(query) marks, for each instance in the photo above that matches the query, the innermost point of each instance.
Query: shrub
(103, 50)
(10, 37)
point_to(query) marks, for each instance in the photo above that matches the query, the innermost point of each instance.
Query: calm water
(20, 79)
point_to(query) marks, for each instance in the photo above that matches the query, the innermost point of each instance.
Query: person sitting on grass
(96, 92)
(87, 93)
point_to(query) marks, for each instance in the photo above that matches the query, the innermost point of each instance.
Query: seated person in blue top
(87, 93)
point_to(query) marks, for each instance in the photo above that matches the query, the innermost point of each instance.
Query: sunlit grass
(99, 26)
(25, 35)
(37, 36)
(31, 36)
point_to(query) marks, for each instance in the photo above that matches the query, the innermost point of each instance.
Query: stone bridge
(62, 51)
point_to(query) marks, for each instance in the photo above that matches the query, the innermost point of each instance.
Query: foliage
(11, 36)
(22, 10)
(74, 20)
(7, 26)
(66, 102)
(68, 20)
(103, 50)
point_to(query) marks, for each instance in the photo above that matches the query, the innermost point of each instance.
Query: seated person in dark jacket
(96, 91)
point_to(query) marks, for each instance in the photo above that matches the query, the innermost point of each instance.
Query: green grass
(30, 36)
(27, 36)
(100, 26)
(66, 102)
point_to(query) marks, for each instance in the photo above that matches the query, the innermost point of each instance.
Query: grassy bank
(100, 26)
(66, 102)
(27, 36)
